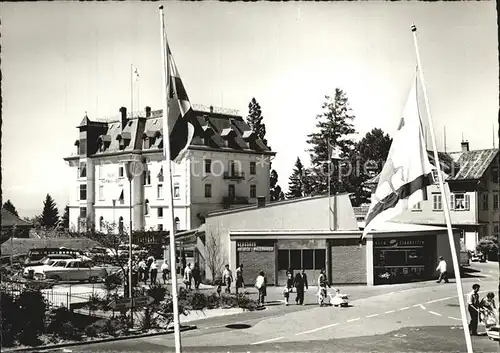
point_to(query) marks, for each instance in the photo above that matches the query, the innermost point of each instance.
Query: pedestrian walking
(188, 276)
(165, 271)
(154, 272)
(322, 284)
(142, 270)
(261, 285)
(288, 288)
(441, 268)
(196, 275)
(240, 283)
(227, 278)
(473, 306)
(300, 282)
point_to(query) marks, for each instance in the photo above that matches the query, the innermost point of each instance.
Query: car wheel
(93, 279)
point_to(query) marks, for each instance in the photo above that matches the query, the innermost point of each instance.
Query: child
(288, 288)
(322, 284)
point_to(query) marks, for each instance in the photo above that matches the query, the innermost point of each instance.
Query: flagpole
(329, 183)
(445, 201)
(166, 152)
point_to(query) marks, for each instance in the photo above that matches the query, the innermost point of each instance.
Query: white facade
(197, 189)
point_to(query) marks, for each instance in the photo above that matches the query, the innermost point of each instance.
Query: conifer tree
(9, 206)
(254, 120)
(50, 214)
(65, 218)
(295, 183)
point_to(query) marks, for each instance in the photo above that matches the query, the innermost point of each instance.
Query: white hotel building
(227, 166)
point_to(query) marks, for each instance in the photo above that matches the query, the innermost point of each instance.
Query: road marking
(438, 300)
(405, 308)
(416, 305)
(389, 312)
(434, 313)
(373, 315)
(316, 329)
(480, 280)
(423, 307)
(356, 319)
(270, 340)
(454, 318)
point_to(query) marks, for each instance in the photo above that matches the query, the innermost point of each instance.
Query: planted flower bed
(27, 321)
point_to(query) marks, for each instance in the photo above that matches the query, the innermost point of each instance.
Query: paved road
(410, 318)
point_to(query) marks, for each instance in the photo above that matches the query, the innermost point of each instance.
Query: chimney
(124, 119)
(211, 109)
(465, 146)
(148, 112)
(261, 201)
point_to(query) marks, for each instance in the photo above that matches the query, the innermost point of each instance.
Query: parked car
(71, 270)
(37, 254)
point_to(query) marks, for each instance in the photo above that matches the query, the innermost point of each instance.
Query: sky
(62, 59)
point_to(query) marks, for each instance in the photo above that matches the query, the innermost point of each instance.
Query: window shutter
(467, 201)
(452, 202)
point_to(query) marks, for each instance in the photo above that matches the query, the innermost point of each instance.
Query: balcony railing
(235, 200)
(234, 175)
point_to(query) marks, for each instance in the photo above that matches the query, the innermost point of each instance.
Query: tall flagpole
(445, 202)
(329, 184)
(166, 152)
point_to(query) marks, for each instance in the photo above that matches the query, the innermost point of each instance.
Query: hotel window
(208, 166)
(494, 174)
(147, 177)
(485, 200)
(417, 207)
(101, 223)
(83, 170)
(435, 176)
(177, 191)
(101, 192)
(160, 212)
(253, 191)
(120, 225)
(83, 147)
(496, 197)
(83, 192)
(460, 202)
(83, 212)
(160, 192)
(160, 227)
(99, 171)
(120, 172)
(146, 207)
(177, 224)
(252, 168)
(496, 229)
(208, 190)
(78, 193)
(437, 204)
(160, 175)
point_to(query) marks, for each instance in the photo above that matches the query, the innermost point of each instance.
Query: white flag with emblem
(406, 173)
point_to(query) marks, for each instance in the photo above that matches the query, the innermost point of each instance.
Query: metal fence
(53, 298)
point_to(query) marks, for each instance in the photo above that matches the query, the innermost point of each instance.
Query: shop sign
(398, 242)
(249, 246)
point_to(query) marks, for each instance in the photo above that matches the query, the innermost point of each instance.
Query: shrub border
(111, 339)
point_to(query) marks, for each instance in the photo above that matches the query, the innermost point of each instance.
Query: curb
(104, 340)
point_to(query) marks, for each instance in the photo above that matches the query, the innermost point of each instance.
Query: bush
(10, 319)
(32, 309)
(68, 331)
(98, 328)
(56, 318)
(157, 292)
(112, 282)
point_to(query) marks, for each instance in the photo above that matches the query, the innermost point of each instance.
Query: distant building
(227, 165)
(13, 226)
(474, 200)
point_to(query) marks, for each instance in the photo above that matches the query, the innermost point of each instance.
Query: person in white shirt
(165, 270)
(443, 275)
(154, 272)
(188, 276)
(142, 270)
(473, 306)
(227, 278)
